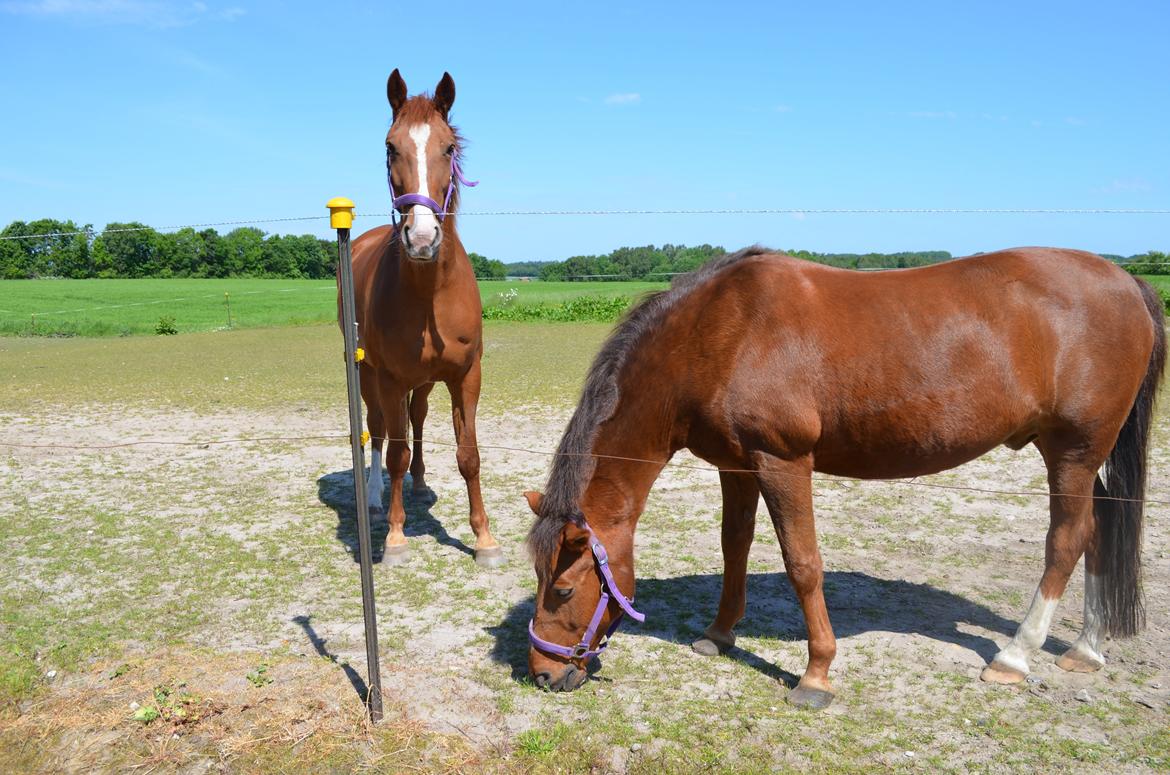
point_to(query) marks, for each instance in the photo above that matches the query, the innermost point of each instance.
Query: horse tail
(1119, 521)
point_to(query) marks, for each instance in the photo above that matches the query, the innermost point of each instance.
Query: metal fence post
(341, 218)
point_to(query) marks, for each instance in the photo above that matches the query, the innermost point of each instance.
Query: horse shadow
(335, 490)
(858, 603)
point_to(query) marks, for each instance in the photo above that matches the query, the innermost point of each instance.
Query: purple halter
(398, 202)
(609, 588)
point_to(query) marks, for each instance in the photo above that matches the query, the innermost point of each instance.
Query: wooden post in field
(341, 218)
(227, 303)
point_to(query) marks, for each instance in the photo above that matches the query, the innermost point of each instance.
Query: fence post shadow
(319, 644)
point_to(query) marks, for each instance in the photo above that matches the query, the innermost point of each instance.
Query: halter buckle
(580, 650)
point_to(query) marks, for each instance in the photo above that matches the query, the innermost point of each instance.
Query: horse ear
(395, 90)
(574, 537)
(444, 95)
(533, 499)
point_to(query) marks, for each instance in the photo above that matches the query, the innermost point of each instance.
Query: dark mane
(420, 108)
(574, 465)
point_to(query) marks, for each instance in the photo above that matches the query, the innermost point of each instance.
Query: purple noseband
(609, 589)
(400, 202)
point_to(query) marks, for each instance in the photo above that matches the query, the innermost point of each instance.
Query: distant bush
(166, 326)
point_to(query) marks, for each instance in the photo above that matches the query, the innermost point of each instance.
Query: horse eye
(564, 593)
(450, 149)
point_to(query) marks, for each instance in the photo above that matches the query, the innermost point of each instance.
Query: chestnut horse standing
(772, 368)
(419, 313)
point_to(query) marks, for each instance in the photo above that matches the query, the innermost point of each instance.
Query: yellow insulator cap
(365, 438)
(340, 212)
(359, 355)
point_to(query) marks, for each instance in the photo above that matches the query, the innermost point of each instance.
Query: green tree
(128, 250)
(487, 269)
(244, 252)
(47, 248)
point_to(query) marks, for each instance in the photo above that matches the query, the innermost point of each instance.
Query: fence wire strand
(837, 481)
(620, 212)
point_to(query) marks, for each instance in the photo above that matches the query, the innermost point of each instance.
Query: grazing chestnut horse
(772, 368)
(418, 311)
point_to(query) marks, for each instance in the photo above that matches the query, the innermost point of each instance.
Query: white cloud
(626, 98)
(934, 114)
(1075, 121)
(782, 109)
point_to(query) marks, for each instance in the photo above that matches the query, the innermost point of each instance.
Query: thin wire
(95, 233)
(826, 211)
(842, 480)
(728, 211)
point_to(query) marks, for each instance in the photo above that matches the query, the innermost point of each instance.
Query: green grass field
(131, 307)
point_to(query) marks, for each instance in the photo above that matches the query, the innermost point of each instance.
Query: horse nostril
(567, 682)
(542, 680)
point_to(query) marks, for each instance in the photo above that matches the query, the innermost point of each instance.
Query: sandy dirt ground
(250, 550)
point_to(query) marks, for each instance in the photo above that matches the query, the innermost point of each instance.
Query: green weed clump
(592, 308)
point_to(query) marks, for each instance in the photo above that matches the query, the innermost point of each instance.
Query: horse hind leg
(376, 423)
(1070, 532)
(418, 416)
(741, 497)
(1084, 656)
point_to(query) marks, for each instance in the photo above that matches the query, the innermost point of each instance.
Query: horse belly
(890, 447)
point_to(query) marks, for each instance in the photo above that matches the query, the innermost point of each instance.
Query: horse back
(906, 372)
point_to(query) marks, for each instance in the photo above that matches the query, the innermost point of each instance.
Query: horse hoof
(396, 554)
(1076, 661)
(810, 699)
(999, 673)
(492, 557)
(709, 647)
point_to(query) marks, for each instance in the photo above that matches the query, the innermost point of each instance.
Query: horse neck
(632, 448)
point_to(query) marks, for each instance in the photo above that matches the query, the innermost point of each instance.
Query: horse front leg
(418, 416)
(464, 399)
(741, 498)
(392, 397)
(787, 489)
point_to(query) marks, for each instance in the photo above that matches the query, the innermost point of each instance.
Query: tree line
(659, 263)
(52, 248)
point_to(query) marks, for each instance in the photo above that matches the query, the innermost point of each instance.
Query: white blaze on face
(425, 225)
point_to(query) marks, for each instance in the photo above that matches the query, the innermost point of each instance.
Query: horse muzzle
(570, 678)
(422, 244)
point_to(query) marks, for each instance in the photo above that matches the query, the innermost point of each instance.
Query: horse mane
(420, 108)
(574, 464)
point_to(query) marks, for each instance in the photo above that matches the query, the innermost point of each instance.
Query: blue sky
(192, 112)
